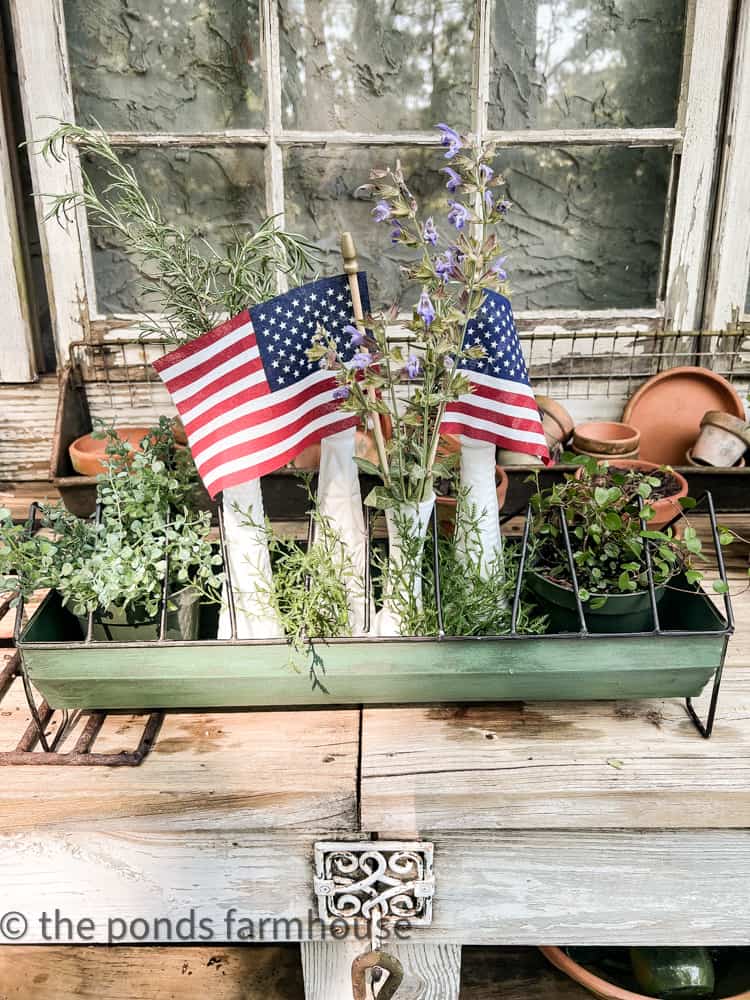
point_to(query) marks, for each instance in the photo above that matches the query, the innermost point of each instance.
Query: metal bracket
(371, 880)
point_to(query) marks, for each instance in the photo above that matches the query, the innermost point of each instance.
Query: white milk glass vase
(407, 530)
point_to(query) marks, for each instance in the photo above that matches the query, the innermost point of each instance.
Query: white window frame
(17, 353)
(729, 270)
(694, 142)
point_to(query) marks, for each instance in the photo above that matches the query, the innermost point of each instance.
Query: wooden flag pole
(351, 269)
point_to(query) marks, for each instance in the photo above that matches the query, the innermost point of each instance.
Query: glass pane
(212, 193)
(584, 231)
(166, 65)
(321, 202)
(383, 64)
(586, 63)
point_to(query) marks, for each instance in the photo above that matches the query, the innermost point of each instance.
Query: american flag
(249, 397)
(501, 408)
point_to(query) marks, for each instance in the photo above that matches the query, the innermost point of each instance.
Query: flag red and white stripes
(249, 398)
(501, 407)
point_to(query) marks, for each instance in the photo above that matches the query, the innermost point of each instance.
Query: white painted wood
(16, 345)
(46, 91)
(729, 265)
(291, 137)
(580, 887)
(709, 48)
(431, 972)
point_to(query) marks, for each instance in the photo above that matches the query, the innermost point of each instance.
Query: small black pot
(619, 613)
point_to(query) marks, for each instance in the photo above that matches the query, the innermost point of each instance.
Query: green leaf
(612, 520)
(368, 467)
(584, 594)
(693, 576)
(380, 498)
(719, 587)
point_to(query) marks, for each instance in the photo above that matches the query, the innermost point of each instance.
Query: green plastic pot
(115, 625)
(620, 613)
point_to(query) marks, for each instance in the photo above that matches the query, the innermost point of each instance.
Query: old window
(607, 113)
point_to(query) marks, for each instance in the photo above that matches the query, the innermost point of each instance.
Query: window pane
(584, 231)
(166, 65)
(211, 193)
(586, 63)
(321, 202)
(381, 64)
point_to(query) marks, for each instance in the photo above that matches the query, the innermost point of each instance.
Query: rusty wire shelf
(41, 742)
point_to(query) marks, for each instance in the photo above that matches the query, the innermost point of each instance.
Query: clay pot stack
(606, 439)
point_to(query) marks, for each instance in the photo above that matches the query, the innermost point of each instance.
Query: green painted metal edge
(216, 674)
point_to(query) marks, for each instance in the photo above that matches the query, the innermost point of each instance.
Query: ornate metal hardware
(378, 880)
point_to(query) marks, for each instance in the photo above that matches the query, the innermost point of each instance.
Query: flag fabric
(501, 408)
(249, 397)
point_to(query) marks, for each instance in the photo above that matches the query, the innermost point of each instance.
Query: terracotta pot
(667, 410)
(606, 437)
(445, 507)
(595, 984)
(665, 509)
(557, 422)
(699, 465)
(628, 455)
(88, 454)
(723, 440)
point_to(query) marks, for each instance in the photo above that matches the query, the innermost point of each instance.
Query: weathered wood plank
(554, 765)
(27, 422)
(241, 973)
(217, 771)
(431, 972)
(579, 887)
(702, 114)
(17, 363)
(266, 972)
(44, 76)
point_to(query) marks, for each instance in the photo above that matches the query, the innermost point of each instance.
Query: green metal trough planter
(679, 653)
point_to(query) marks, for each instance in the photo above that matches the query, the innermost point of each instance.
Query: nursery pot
(599, 986)
(664, 509)
(557, 422)
(620, 613)
(113, 625)
(723, 440)
(446, 506)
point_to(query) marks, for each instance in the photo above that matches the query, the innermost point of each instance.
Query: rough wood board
(496, 887)
(217, 771)
(221, 973)
(241, 973)
(431, 972)
(27, 421)
(563, 766)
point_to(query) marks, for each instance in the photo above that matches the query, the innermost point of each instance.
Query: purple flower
(429, 233)
(341, 393)
(450, 138)
(454, 179)
(448, 363)
(488, 200)
(382, 211)
(413, 367)
(458, 215)
(444, 265)
(487, 172)
(361, 360)
(425, 308)
(357, 336)
(498, 269)
(396, 232)
(504, 206)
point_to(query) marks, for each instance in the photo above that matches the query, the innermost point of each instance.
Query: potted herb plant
(115, 566)
(610, 544)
